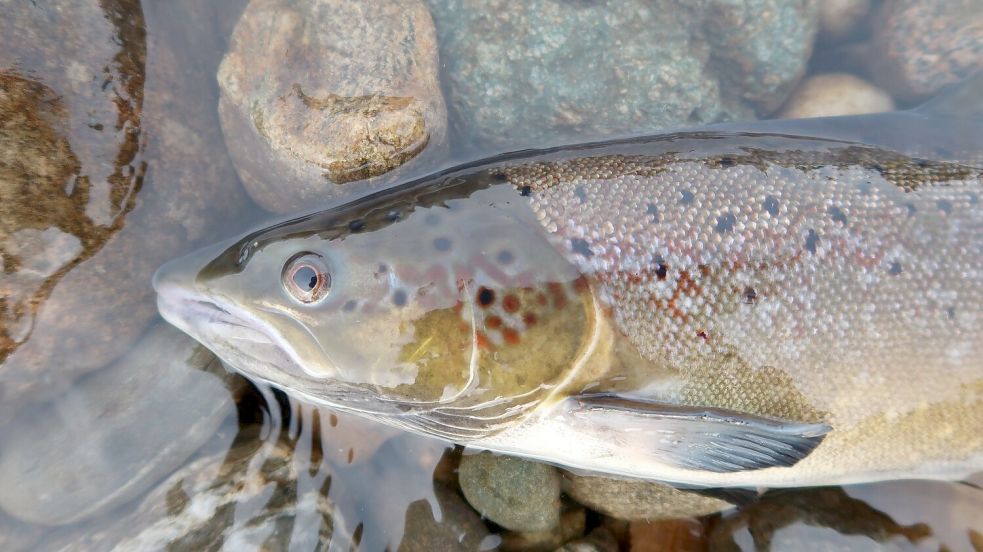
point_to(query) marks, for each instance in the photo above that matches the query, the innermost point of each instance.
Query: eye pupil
(306, 278)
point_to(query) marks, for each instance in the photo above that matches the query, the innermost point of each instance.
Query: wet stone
(599, 540)
(838, 19)
(454, 528)
(682, 535)
(546, 72)
(517, 494)
(99, 184)
(920, 46)
(116, 433)
(834, 94)
(247, 499)
(572, 524)
(320, 95)
(637, 499)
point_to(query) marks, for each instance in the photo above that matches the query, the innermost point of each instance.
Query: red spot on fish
(703, 334)
(541, 299)
(529, 319)
(510, 304)
(557, 294)
(511, 336)
(463, 326)
(482, 340)
(493, 322)
(580, 284)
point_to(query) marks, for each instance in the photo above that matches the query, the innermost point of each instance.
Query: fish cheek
(522, 342)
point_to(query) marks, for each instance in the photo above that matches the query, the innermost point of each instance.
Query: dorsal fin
(963, 100)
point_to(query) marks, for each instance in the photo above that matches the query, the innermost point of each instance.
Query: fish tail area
(963, 99)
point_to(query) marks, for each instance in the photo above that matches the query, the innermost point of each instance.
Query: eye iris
(306, 278)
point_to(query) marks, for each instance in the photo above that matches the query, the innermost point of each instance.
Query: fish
(771, 304)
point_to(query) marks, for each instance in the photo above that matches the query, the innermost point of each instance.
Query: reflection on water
(113, 160)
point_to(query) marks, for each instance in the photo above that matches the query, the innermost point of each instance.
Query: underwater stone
(103, 179)
(545, 72)
(517, 494)
(116, 433)
(320, 95)
(920, 46)
(833, 94)
(458, 528)
(638, 499)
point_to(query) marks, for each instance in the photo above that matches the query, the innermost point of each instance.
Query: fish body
(776, 304)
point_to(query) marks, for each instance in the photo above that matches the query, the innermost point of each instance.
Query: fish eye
(306, 278)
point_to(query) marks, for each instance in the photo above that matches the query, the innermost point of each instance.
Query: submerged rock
(546, 71)
(572, 524)
(679, 535)
(116, 433)
(320, 95)
(637, 499)
(452, 527)
(245, 500)
(102, 179)
(515, 493)
(599, 540)
(922, 45)
(838, 19)
(833, 94)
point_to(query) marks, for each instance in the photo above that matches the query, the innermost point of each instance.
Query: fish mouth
(243, 341)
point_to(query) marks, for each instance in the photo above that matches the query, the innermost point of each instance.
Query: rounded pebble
(833, 94)
(517, 494)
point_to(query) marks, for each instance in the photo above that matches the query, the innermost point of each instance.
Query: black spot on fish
(750, 296)
(485, 296)
(580, 193)
(653, 210)
(431, 220)
(399, 298)
(951, 313)
(356, 225)
(921, 163)
(770, 204)
(500, 176)
(879, 168)
(687, 197)
(349, 305)
(525, 191)
(505, 257)
(812, 241)
(911, 209)
(728, 161)
(725, 223)
(945, 206)
(442, 244)
(661, 268)
(894, 269)
(382, 268)
(581, 247)
(837, 214)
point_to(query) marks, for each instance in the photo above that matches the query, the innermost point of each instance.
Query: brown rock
(680, 535)
(922, 45)
(572, 524)
(637, 499)
(122, 178)
(833, 94)
(455, 528)
(320, 95)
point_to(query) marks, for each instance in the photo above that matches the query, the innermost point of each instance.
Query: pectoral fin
(697, 438)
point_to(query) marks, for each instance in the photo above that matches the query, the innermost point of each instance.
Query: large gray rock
(115, 434)
(638, 500)
(111, 163)
(517, 494)
(546, 71)
(319, 95)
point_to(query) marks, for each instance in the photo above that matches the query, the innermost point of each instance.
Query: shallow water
(145, 177)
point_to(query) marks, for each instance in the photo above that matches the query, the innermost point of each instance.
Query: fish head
(406, 305)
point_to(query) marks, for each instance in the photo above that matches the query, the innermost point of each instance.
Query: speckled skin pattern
(810, 277)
